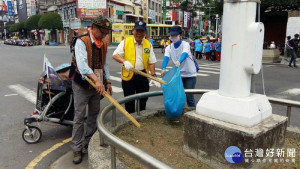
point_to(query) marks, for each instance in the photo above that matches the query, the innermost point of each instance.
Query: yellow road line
(37, 159)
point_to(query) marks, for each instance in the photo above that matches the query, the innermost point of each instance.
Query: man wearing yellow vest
(135, 52)
(90, 60)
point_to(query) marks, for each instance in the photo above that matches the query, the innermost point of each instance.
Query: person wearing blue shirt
(218, 47)
(151, 40)
(192, 45)
(180, 54)
(207, 48)
(198, 48)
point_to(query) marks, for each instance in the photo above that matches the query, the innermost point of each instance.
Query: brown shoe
(77, 157)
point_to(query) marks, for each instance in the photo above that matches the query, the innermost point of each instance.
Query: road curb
(293, 132)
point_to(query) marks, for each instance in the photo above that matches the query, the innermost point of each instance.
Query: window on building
(161, 31)
(75, 11)
(154, 31)
(159, 8)
(120, 17)
(65, 14)
(166, 30)
(71, 13)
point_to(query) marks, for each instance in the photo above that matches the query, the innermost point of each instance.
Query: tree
(17, 27)
(273, 5)
(51, 21)
(32, 23)
(280, 5)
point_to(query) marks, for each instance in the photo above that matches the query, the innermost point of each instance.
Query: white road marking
(10, 95)
(116, 89)
(205, 71)
(269, 65)
(24, 92)
(212, 64)
(209, 68)
(293, 92)
(115, 78)
(198, 74)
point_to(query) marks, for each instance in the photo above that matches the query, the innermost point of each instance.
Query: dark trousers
(162, 49)
(190, 83)
(137, 84)
(198, 55)
(293, 58)
(193, 51)
(207, 56)
(218, 56)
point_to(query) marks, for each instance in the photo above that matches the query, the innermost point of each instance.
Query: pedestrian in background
(207, 49)
(135, 52)
(192, 45)
(90, 60)
(151, 40)
(198, 48)
(168, 42)
(293, 44)
(162, 45)
(180, 54)
(287, 47)
(218, 48)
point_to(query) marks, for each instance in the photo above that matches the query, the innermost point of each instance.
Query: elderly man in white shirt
(135, 52)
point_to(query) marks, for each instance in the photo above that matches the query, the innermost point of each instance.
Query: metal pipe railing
(140, 155)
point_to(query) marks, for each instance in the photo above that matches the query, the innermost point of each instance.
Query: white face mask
(175, 39)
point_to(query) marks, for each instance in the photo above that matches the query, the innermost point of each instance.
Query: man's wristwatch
(154, 75)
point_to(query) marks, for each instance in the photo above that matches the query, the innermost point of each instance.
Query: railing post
(101, 139)
(288, 114)
(113, 157)
(113, 118)
(138, 107)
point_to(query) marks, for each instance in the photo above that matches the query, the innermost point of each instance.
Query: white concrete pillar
(242, 45)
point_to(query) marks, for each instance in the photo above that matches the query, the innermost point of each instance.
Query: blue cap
(175, 30)
(140, 25)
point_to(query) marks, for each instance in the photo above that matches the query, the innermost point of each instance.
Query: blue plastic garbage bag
(174, 95)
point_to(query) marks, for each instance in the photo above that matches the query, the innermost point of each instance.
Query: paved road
(22, 66)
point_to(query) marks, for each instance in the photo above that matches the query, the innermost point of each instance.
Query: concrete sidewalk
(66, 162)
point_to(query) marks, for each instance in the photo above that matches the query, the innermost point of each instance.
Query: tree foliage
(50, 21)
(280, 5)
(17, 27)
(272, 5)
(32, 22)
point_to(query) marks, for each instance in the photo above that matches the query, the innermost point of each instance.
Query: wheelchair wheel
(32, 135)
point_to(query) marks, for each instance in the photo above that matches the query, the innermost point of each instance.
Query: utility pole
(217, 18)
(209, 23)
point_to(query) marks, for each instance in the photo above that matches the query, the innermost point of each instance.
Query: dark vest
(96, 60)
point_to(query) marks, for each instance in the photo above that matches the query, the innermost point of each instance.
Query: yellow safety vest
(130, 55)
